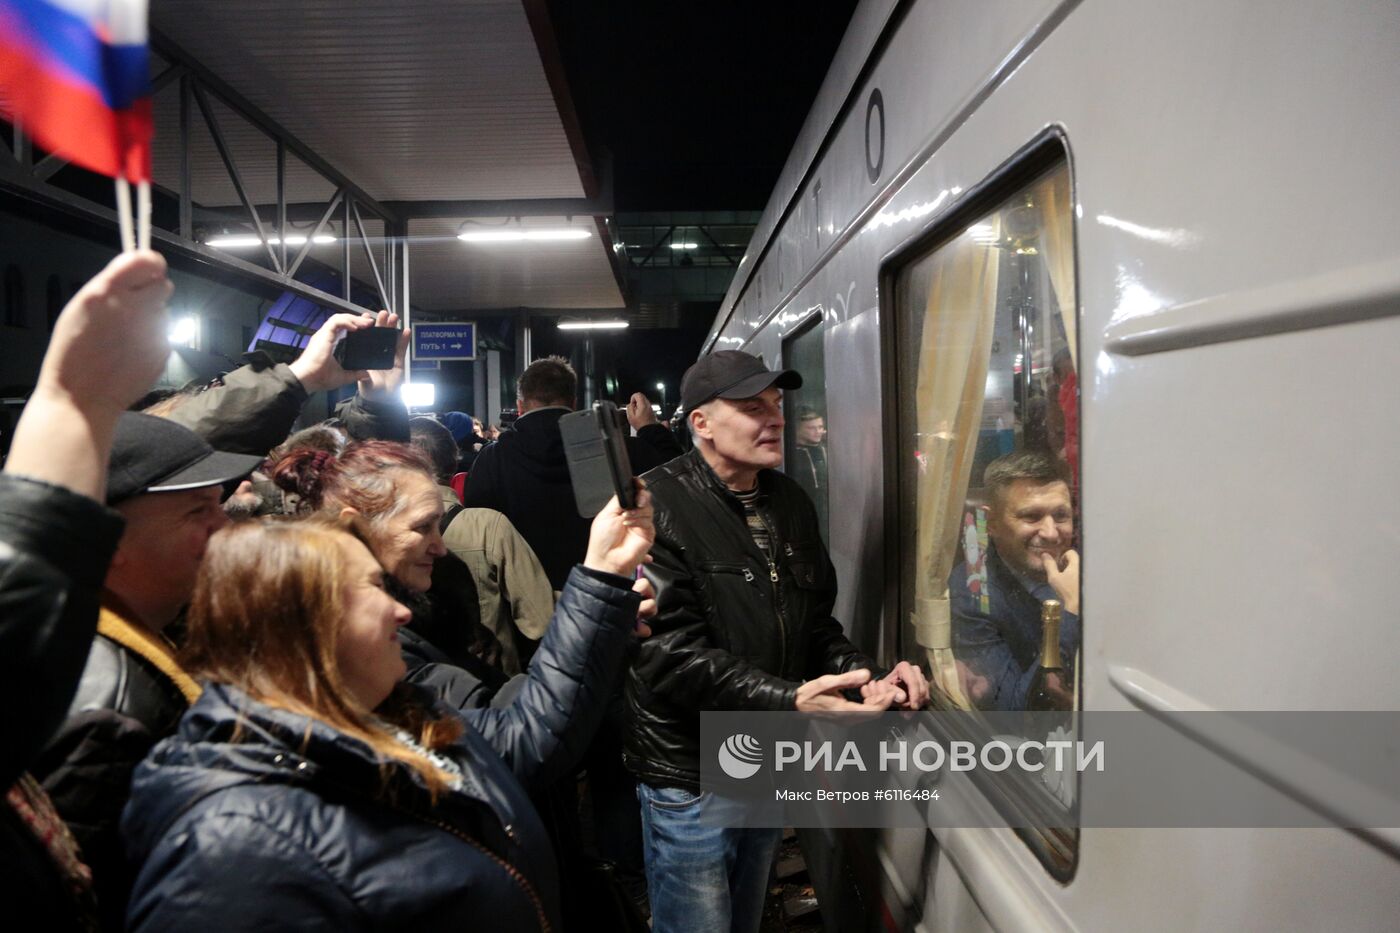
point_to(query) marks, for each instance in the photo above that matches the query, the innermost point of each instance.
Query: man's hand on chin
(1063, 577)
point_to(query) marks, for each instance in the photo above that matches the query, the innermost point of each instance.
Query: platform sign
(453, 340)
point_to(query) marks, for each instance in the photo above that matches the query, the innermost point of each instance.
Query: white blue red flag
(75, 74)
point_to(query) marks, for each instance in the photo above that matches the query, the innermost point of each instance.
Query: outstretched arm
(255, 408)
(544, 731)
(56, 539)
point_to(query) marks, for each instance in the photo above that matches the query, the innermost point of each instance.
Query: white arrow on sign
(456, 346)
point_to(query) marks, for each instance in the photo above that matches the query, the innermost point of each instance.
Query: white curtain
(954, 352)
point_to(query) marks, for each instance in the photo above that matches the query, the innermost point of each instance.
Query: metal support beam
(392, 235)
(519, 207)
(524, 352)
(15, 181)
(282, 204)
(226, 154)
(221, 89)
(186, 228)
(406, 310)
(369, 253)
(715, 243)
(345, 249)
(665, 238)
(311, 237)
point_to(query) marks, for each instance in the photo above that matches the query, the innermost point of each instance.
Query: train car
(1156, 239)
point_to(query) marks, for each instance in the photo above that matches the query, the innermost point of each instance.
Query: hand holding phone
(368, 348)
(595, 445)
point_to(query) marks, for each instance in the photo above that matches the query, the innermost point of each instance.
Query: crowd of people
(259, 678)
(354, 676)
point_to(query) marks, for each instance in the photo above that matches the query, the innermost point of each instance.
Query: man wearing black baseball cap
(167, 483)
(744, 596)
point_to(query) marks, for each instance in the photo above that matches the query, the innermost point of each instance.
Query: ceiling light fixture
(685, 246)
(518, 236)
(240, 242)
(592, 325)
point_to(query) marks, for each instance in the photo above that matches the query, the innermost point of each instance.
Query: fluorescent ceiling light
(419, 394)
(592, 325)
(518, 236)
(685, 246)
(237, 242)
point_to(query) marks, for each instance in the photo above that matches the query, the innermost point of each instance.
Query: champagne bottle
(1050, 688)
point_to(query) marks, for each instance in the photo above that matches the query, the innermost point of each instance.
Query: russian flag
(74, 73)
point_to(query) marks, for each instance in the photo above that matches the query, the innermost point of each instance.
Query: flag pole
(143, 215)
(124, 214)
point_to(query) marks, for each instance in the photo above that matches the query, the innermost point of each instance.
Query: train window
(988, 453)
(804, 454)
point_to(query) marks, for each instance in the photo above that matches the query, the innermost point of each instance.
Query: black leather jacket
(734, 630)
(55, 546)
(124, 705)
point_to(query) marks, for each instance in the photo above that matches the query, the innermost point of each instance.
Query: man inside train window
(809, 457)
(997, 594)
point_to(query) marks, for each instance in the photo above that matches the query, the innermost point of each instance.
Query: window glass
(988, 436)
(804, 440)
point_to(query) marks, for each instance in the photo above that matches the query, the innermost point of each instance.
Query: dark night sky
(698, 105)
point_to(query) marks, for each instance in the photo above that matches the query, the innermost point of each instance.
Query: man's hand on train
(910, 684)
(639, 411)
(823, 694)
(317, 368)
(384, 384)
(1064, 579)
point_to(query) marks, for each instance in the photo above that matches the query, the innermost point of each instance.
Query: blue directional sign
(454, 340)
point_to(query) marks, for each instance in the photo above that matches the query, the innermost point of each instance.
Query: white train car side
(1222, 272)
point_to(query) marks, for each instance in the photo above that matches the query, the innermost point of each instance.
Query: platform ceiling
(419, 100)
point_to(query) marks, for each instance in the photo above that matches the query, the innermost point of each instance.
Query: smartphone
(595, 446)
(368, 348)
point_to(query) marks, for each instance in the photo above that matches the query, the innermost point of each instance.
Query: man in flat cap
(745, 592)
(167, 483)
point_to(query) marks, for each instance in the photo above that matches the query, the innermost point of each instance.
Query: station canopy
(452, 114)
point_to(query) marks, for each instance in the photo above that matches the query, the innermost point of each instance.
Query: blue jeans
(702, 878)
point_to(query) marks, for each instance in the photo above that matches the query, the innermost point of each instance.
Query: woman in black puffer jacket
(311, 788)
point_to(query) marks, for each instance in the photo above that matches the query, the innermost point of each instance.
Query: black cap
(731, 374)
(151, 454)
